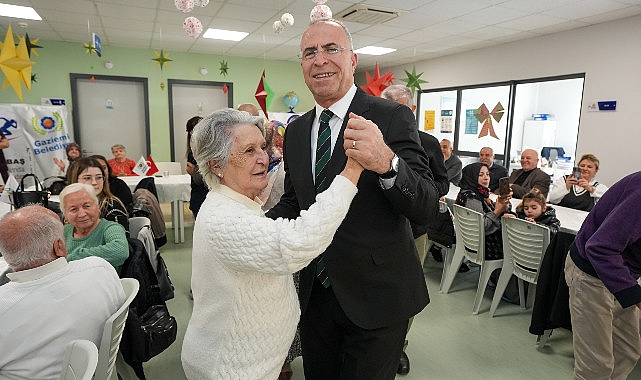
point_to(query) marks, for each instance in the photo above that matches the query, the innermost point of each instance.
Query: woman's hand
(570, 181)
(585, 184)
(352, 170)
(59, 163)
(502, 204)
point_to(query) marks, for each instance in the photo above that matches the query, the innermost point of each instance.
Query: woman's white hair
(74, 188)
(212, 139)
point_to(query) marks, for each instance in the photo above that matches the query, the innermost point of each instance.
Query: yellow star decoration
(161, 58)
(15, 64)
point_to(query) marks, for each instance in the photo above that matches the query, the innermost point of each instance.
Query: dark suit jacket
(537, 179)
(372, 262)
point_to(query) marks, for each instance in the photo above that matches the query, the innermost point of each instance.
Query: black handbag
(38, 196)
(54, 185)
(160, 330)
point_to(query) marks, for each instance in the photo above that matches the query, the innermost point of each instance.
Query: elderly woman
(245, 304)
(73, 153)
(91, 172)
(581, 193)
(120, 164)
(474, 195)
(86, 234)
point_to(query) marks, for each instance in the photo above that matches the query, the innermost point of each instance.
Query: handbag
(159, 328)
(38, 196)
(54, 185)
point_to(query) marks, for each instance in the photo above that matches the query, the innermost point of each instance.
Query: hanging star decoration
(31, 45)
(225, 88)
(413, 80)
(34, 77)
(223, 68)
(15, 64)
(161, 58)
(377, 83)
(264, 94)
(89, 49)
(483, 115)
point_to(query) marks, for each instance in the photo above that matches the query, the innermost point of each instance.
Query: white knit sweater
(245, 304)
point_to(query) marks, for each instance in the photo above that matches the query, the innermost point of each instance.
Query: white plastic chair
(445, 251)
(79, 362)
(470, 243)
(524, 244)
(112, 333)
(174, 168)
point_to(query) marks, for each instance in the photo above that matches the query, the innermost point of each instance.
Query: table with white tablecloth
(175, 189)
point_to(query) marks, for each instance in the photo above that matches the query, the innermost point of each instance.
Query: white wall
(609, 54)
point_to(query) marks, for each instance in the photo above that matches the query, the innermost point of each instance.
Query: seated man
(453, 164)
(486, 156)
(529, 176)
(48, 302)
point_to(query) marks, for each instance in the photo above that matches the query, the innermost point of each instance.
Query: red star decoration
(264, 94)
(376, 84)
(225, 88)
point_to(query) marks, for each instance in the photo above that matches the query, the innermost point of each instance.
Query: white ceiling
(429, 29)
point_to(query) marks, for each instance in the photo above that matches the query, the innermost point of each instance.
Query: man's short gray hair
(212, 139)
(339, 23)
(27, 236)
(75, 187)
(398, 91)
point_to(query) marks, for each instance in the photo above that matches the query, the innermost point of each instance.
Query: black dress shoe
(463, 268)
(403, 364)
(436, 254)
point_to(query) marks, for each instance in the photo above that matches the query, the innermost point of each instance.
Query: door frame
(75, 77)
(213, 84)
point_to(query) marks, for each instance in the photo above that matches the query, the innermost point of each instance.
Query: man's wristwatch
(392, 171)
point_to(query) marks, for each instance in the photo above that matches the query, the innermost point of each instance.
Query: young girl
(533, 209)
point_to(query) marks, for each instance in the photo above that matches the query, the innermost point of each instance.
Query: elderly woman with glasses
(87, 234)
(90, 171)
(245, 305)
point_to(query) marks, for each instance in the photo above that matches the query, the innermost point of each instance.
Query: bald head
(446, 148)
(529, 159)
(30, 237)
(249, 108)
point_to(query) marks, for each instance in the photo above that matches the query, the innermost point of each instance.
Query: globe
(291, 100)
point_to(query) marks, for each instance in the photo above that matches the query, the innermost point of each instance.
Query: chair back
(79, 362)
(524, 244)
(174, 168)
(470, 232)
(140, 228)
(112, 332)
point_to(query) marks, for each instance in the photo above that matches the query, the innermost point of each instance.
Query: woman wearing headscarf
(73, 153)
(474, 195)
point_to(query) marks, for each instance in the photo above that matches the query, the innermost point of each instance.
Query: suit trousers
(606, 338)
(421, 248)
(334, 348)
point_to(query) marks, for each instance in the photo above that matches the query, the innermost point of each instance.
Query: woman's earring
(220, 175)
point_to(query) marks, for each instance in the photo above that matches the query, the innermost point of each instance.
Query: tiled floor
(446, 340)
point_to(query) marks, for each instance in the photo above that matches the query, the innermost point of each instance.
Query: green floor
(446, 341)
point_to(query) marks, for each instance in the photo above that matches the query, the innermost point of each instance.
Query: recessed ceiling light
(374, 50)
(18, 11)
(228, 35)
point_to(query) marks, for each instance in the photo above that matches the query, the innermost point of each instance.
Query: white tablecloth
(170, 188)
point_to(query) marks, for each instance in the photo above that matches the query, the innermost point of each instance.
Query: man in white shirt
(48, 302)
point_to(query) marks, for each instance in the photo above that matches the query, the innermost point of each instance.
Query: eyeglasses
(88, 178)
(310, 54)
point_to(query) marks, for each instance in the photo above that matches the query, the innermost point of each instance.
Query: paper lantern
(320, 12)
(278, 26)
(192, 26)
(184, 6)
(320, 1)
(201, 3)
(287, 19)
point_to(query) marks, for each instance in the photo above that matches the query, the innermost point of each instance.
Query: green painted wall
(57, 59)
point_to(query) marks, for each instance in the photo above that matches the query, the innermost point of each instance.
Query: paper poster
(430, 118)
(471, 123)
(447, 121)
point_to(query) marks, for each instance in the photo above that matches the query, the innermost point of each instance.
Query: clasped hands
(364, 143)
(579, 182)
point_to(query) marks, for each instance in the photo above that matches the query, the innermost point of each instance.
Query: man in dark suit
(353, 324)
(486, 156)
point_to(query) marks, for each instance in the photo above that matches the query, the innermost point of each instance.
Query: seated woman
(91, 172)
(120, 164)
(581, 193)
(86, 234)
(474, 195)
(534, 209)
(117, 186)
(247, 259)
(73, 153)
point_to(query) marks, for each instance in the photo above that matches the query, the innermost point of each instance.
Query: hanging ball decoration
(320, 1)
(278, 26)
(287, 19)
(320, 12)
(201, 3)
(192, 26)
(184, 6)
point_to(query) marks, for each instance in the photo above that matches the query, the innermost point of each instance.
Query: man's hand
(190, 168)
(363, 141)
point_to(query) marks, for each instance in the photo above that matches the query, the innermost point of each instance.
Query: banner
(36, 135)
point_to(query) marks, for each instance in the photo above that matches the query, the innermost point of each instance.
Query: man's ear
(60, 248)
